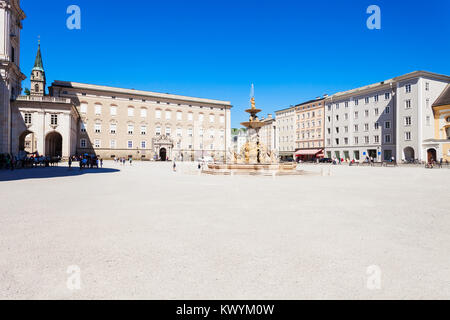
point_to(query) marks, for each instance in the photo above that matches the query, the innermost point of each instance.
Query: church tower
(38, 80)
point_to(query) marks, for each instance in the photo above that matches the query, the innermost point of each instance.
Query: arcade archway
(163, 154)
(53, 145)
(27, 142)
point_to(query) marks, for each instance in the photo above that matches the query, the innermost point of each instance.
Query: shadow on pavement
(46, 173)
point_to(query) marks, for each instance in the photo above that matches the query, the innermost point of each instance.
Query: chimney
(269, 116)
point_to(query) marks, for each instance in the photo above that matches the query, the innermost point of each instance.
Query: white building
(285, 123)
(392, 118)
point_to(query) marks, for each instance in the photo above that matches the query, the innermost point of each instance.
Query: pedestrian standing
(70, 163)
(101, 163)
(174, 166)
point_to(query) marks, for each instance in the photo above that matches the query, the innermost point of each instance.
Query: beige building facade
(268, 133)
(310, 129)
(117, 122)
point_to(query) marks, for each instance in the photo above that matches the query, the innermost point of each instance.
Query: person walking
(131, 161)
(70, 163)
(101, 163)
(174, 166)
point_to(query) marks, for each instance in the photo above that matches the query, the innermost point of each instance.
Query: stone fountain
(254, 158)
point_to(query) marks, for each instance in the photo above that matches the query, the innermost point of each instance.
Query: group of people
(86, 161)
(20, 161)
(123, 160)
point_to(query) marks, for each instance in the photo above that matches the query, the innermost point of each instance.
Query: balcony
(44, 99)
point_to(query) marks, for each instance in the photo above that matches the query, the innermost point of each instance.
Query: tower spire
(38, 80)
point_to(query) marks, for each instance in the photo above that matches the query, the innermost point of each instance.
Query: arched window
(36, 87)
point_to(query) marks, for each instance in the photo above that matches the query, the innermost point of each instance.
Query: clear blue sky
(291, 50)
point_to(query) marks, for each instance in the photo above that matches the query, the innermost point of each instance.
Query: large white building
(392, 118)
(285, 124)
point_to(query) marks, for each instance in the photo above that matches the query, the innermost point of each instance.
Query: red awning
(311, 152)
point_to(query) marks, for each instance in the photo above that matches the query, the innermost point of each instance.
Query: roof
(392, 82)
(38, 65)
(115, 90)
(444, 98)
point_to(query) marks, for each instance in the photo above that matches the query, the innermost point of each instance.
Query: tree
(27, 91)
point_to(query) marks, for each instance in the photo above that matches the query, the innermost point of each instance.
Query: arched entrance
(53, 145)
(431, 155)
(27, 142)
(409, 154)
(163, 154)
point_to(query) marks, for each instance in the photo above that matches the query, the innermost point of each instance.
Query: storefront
(309, 154)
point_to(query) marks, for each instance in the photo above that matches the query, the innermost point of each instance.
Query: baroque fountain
(254, 157)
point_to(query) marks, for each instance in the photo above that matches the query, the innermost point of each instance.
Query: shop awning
(311, 152)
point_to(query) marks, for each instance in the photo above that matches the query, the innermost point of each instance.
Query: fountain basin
(284, 169)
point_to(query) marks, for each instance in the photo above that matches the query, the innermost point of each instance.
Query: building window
(376, 126)
(222, 119)
(158, 114)
(408, 104)
(356, 140)
(387, 138)
(130, 111)
(83, 107)
(376, 97)
(408, 136)
(211, 118)
(356, 102)
(337, 141)
(143, 113)
(113, 110)
(387, 125)
(190, 116)
(366, 127)
(98, 109)
(98, 128)
(158, 131)
(83, 143)
(143, 130)
(376, 111)
(407, 121)
(366, 113)
(356, 114)
(168, 115)
(376, 139)
(130, 144)
(112, 144)
(387, 96)
(428, 121)
(112, 128)
(367, 100)
(144, 144)
(27, 117)
(168, 131)
(427, 86)
(190, 132)
(54, 119)
(387, 110)
(356, 128)
(83, 127)
(179, 116)
(97, 143)
(408, 88)
(346, 141)
(130, 129)
(179, 132)
(366, 140)
(200, 117)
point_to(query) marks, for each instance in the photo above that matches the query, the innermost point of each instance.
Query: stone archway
(431, 155)
(409, 154)
(27, 142)
(163, 154)
(53, 145)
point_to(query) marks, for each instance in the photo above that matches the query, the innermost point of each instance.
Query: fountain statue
(254, 158)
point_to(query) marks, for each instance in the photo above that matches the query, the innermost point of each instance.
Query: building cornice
(131, 92)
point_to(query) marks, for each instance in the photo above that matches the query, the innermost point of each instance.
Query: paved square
(145, 232)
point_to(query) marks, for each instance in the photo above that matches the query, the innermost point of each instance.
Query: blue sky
(291, 50)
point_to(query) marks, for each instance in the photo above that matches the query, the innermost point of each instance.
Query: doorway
(53, 145)
(163, 154)
(431, 155)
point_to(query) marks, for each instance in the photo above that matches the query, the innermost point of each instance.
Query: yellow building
(441, 109)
